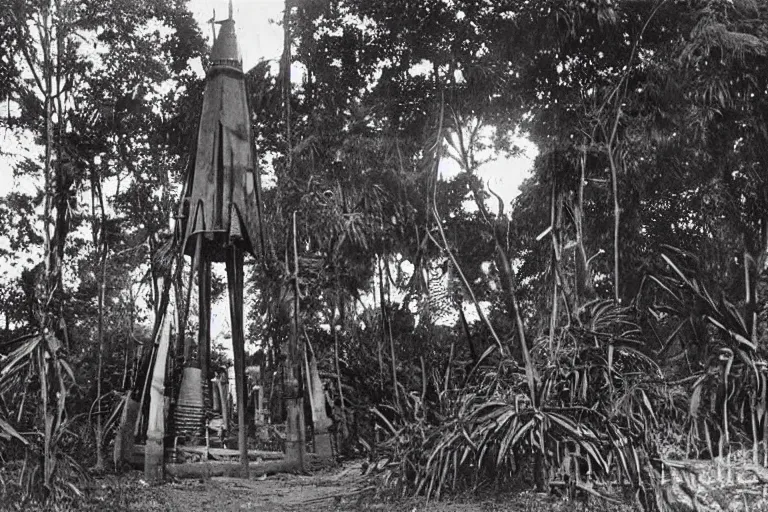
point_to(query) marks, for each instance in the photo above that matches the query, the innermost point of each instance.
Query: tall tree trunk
(295, 446)
(342, 407)
(336, 354)
(100, 244)
(616, 223)
(100, 465)
(584, 289)
(46, 18)
(555, 270)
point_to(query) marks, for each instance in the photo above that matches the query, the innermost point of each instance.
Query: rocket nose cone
(225, 48)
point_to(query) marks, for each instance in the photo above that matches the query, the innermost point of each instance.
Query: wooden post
(235, 285)
(320, 419)
(154, 452)
(295, 449)
(204, 331)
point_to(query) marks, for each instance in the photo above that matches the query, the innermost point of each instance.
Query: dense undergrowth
(612, 403)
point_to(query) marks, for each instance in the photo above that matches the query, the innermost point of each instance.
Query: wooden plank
(226, 452)
(154, 453)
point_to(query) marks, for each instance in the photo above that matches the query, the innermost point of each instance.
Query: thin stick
(479, 310)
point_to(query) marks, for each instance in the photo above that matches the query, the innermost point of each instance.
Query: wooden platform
(224, 462)
(218, 454)
(233, 469)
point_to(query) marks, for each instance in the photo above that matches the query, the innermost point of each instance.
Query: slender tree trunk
(100, 244)
(342, 407)
(100, 464)
(336, 355)
(467, 162)
(583, 288)
(555, 290)
(616, 224)
(287, 84)
(386, 331)
(379, 339)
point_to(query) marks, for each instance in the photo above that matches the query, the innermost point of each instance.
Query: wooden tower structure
(220, 212)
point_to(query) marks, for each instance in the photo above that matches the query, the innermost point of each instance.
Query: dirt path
(341, 489)
(273, 493)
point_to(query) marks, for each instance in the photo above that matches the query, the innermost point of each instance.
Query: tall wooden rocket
(220, 212)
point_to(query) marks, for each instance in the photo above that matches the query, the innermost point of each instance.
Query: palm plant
(728, 394)
(595, 418)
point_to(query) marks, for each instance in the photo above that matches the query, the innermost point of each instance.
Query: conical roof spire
(226, 51)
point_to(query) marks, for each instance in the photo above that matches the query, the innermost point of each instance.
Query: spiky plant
(34, 382)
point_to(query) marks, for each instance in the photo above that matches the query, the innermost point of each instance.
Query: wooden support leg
(235, 285)
(196, 257)
(204, 332)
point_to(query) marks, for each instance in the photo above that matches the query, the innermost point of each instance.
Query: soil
(342, 489)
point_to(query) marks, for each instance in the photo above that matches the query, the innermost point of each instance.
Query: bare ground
(342, 489)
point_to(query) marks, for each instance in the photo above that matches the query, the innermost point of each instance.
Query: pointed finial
(225, 48)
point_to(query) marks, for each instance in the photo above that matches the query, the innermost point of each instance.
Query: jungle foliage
(610, 321)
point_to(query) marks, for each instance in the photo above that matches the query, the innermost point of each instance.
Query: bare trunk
(100, 464)
(100, 244)
(379, 339)
(583, 287)
(616, 223)
(342, 407)
(555, 291)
